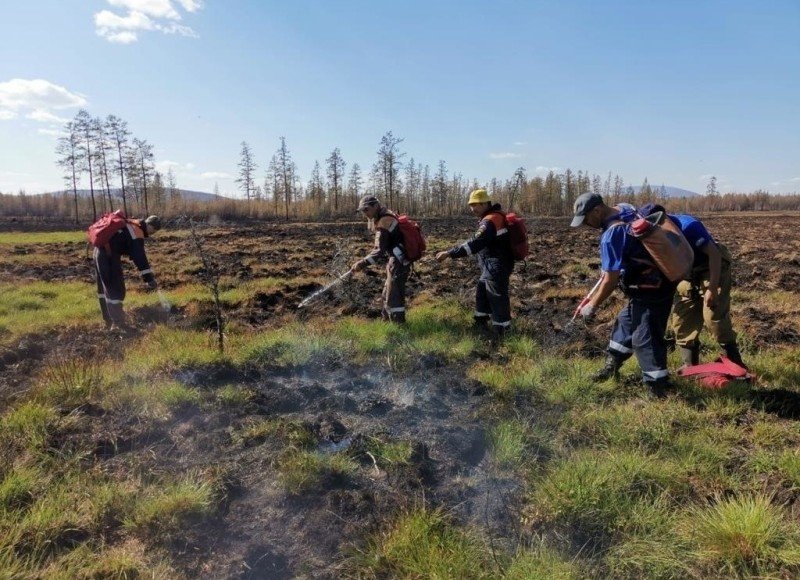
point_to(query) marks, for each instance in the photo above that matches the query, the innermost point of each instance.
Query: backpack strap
(499, 221)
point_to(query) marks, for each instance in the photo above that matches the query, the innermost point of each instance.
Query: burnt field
(323, 443)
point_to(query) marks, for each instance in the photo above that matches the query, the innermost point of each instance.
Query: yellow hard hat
(478, 196)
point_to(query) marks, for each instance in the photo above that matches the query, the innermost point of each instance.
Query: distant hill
(671, 191)
(115, 192)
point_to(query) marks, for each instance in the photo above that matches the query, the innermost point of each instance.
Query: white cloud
(143, 16)
(543, 169)
(6, 115)
(37, 94)
(51, 132)
(795, 179)
(155, 8)
(504, 155)
(191, 5)
(520, 143)
(706, 177)
(45, 117)
(215, 175)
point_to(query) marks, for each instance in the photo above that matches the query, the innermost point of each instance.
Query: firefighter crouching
(705, 299)
(388, 247)
(492, 248)
(128, 241)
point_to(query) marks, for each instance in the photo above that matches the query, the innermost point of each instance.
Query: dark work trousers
(639, 329)
(394, 291)
(110, 286)
(492, 300)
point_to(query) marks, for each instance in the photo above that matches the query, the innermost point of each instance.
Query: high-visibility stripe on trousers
(110, 285)
(639, 330)
(394, 290)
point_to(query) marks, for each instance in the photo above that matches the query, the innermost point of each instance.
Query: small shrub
(168, 508)
(509, 441)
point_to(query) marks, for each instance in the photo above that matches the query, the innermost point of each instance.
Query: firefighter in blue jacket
(704, 299)
(640, 326)
(492, 247)
(129, 241)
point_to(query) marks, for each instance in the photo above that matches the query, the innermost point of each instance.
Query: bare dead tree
(210, 276)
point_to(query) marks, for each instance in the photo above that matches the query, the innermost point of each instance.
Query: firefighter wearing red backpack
(645, 279)
(115, 236)
(399, 242)
(492, 246)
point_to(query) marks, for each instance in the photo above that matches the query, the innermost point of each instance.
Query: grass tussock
(304, 470)
(425, 543)
(742, 536)
(166, 509)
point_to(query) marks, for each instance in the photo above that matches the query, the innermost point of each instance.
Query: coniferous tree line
(120, 172)
(118, 169)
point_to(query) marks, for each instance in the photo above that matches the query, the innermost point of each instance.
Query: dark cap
(583, 205)
(367, 201)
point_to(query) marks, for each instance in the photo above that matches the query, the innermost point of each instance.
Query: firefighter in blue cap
(640, 326)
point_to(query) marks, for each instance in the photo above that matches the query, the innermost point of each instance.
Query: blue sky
(673, 91)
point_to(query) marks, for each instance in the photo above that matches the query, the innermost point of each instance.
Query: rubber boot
(732, 352)
(690, 355)
(660, 388)
(480, 325)
(117, 315)
(610, 370)
(106, 316)
(499, 333)
(398, 317)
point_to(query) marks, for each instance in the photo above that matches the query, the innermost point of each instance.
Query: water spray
(325, 289)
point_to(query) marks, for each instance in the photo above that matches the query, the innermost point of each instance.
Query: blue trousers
(639, 329)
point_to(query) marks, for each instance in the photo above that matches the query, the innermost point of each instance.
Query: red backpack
(101, 231)
(518, 235)
(717, 375)
(413, 240)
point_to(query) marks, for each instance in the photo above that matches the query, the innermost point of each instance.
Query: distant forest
(119, 171)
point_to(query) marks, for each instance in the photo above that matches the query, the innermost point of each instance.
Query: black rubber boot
(660, 388)
(690, 355)
(732, 352)
(499, 333)
(398, 317)
(610, 370)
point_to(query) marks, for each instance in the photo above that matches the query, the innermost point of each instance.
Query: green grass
(302, 470)
(389, 453)
(601, 492)
(742, 536)
(509, 442)
(425, 544)
(33, 238)
(166, 509)
(28, 426)
(41, 306)
(291, 433)
(70, 382)
(542, 563)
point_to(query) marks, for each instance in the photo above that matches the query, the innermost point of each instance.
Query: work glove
(587, 313)
(442, 256)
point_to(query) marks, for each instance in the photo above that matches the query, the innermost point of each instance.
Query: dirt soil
(264, 532)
